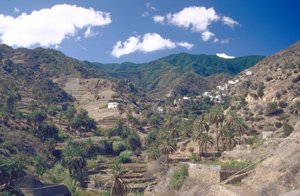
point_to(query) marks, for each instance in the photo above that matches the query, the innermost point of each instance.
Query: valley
(184, 125)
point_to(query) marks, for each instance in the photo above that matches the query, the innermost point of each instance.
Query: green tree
(200, 123)
(12, 99)
(230, 118)
(168, 146)
(46, 131)
(72, 158)
(38, 116)
(119, 185)
(75, 123)
(197, 137)
(207, 140)
(240, 127)
(12, 169)
(229, 139)
(217, 117)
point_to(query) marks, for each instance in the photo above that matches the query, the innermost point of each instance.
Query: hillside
(154, 78)
(268, 101)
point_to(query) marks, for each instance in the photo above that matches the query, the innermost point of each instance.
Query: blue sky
(115, 31)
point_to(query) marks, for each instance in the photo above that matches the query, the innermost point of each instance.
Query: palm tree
(230, 118)
(12, 169)
(72, 158)
(75, 123)
(207, 140)
(229, 139)
(197, 137)
(12, 99)
(119, 185)
(90, 147)
(240, 127)
(200, 123)
(223, 129)
(185, 128)
(168, 146)
(217, 117)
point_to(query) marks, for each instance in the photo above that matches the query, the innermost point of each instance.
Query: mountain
(174, 73)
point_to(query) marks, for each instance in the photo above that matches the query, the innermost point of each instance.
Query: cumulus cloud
(225, 56)
(196, 19)
(229, 21)
(49, 26)
(16, 10)
(159, 19)
(150, 42)
(207, 35)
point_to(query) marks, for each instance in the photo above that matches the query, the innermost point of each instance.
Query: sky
(116, 31)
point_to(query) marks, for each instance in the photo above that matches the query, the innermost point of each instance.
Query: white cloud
(225, 41)
(225, 56)
(207, 35)
(229, 21)
(196, 18)
(215, 40)
(150, 7)
(16, 10)
(77, 38)
(150, 42)
(49, 26)
(145, 14)
(90, 33)
(159, 19)
(185, 45)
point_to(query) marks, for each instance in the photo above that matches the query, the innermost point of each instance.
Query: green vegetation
(179, 175)
(190, 69)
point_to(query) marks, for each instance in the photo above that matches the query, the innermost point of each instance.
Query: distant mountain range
(174, 75)
(178, 74)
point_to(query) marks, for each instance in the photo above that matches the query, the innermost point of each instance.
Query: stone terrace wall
(207, 175)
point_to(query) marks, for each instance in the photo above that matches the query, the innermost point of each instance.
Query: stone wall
(207, 175)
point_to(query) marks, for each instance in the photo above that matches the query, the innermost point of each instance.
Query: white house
(206, 93)
(248, 73)
(160, 109)
(186, 98)
(113, 105)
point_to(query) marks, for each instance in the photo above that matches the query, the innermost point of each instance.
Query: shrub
(269, 78)
(260, 92)
(179, 175)
(287, 129)
(191, 149)
(102, 159)
(297, 79)
(119, 146)
(278, 124)
(283, 117)
(282, 104)
(272, 109)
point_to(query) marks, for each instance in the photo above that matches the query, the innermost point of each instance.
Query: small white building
(206, 94)
(160, 109)
(186, 98)
(248, 73)
(113, 105)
